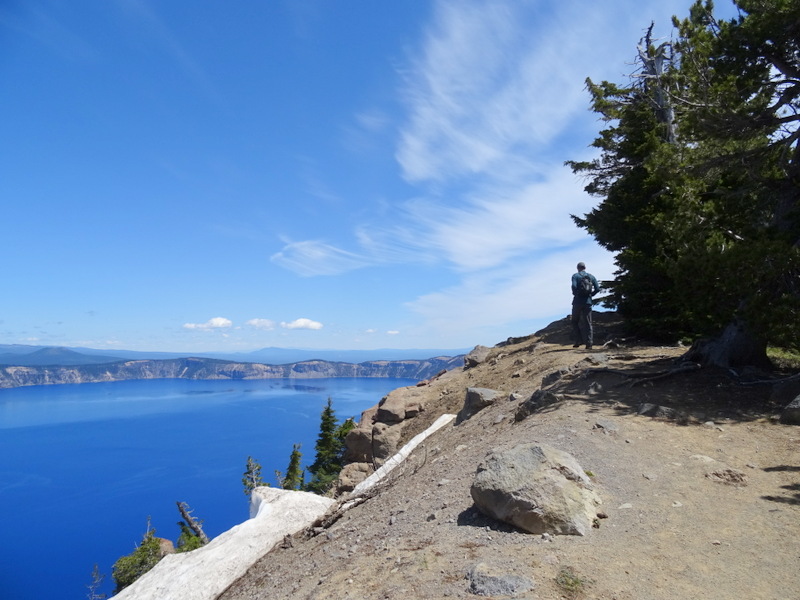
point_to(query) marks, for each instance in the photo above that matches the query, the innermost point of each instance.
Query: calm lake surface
(83, 466)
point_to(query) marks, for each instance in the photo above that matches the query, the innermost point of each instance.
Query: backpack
(585, 285)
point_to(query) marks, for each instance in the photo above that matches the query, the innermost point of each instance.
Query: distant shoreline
(214, 369)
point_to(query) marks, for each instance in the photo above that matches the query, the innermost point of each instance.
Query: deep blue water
(83, 466)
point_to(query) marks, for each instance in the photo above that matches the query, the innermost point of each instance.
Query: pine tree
(699, 179)
(329, 450)
(129, 568)
(252, 476)
(294, 478)
(192, 535)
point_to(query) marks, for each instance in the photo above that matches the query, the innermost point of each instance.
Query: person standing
(584, 286)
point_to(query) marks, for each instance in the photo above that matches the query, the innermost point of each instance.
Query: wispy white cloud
(303, 324)
(520, 291)
(314, 257)
(215, 323)
(491, 83)
(495, 103)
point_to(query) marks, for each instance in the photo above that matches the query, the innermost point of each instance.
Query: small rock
(626, 505)
(702, 458)
(606, 425)
(594, 388)
(486, 580)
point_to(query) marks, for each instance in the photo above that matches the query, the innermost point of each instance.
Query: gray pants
(582, 324)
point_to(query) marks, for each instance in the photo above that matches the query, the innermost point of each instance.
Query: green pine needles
(330, 450)
(698, 178)
(328, 461)
(129, 568)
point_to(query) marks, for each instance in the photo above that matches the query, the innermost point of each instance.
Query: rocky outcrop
(477, 356)
(211, 369)
(537, 488)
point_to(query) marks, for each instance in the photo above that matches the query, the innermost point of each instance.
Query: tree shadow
(791, 498)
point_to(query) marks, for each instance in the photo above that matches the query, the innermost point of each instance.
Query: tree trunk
(192, 523)
(736, 347)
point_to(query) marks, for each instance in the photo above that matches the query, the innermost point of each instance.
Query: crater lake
(84, 468)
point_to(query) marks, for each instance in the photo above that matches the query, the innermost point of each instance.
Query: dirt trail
(702, 502)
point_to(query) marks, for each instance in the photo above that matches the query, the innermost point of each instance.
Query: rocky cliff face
(204, 368)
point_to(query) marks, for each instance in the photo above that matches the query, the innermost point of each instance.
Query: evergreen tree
(192, 535)
(698, 176)
(129, 568)
(329, 450)
(636, 191)
(252, 476)
(739, 80)
(294, 478)
(188, 539)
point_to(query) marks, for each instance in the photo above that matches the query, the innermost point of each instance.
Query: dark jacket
(578, 297)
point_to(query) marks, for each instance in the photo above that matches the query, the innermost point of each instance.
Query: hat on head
(581, 266)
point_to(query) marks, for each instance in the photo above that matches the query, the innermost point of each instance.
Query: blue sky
(352, 174)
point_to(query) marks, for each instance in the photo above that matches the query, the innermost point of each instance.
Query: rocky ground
(701, 495)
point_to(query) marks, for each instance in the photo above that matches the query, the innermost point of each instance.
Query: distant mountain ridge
(20, 355)
(215, 369)
(53, 356)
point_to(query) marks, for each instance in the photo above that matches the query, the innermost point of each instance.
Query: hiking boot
(576, 345)
(588, 346)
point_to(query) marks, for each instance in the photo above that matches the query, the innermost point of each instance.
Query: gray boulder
(538, 400)
(475, 401)
(476, 356)
(536, 488)
(791, 413)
